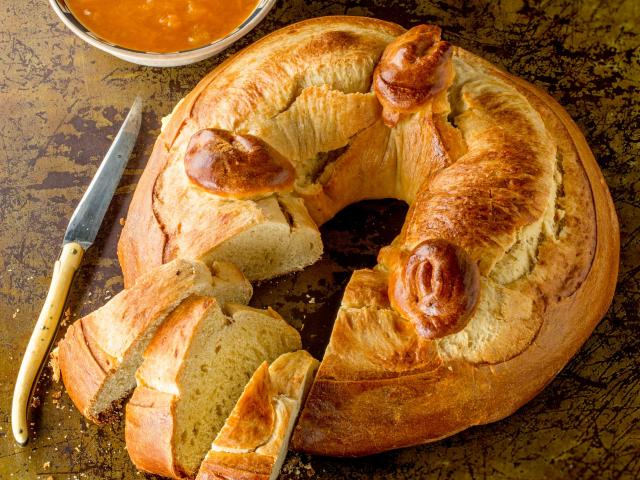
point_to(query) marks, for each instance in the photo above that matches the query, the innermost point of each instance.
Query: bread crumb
(296, 466)
(55, 366)
(122, 220)
(66, 316)
(46, 465)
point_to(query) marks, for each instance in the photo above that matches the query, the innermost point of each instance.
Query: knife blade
(79, 236)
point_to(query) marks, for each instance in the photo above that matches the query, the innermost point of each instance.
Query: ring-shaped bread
(505, 263)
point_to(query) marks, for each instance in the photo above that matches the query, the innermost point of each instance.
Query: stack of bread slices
(184, 342)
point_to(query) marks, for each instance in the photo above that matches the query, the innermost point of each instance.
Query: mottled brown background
(61, 102)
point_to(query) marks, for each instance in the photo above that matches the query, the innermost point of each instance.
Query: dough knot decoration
(414, 68)
(436, 287)
(236, 166)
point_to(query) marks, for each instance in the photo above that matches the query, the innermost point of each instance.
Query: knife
(80, 235)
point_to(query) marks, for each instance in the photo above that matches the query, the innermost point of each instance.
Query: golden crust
(254, 440)
(253, 417)
(150, 414)
(145, 241)
(436, 286)
(81, 372)
(367, 288)
(149, 427)
(425, 407)
(95, 345)
(152, 431)
(161, 370)
(236, 166)
(414, 68)
(235, 466)
(488, 165)
(571, 282)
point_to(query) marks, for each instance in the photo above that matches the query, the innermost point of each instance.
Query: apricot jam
(161, 25)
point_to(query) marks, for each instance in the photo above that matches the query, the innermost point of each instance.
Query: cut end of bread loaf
(285, 240)
(254, 440)
(100, 353)
(193, 372)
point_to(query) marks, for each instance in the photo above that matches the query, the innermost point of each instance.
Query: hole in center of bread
(310, 298)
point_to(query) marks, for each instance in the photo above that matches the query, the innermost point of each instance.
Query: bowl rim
(196, 54)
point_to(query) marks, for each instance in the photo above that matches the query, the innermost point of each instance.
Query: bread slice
(193, 372)
(101, 352)
(254, 440)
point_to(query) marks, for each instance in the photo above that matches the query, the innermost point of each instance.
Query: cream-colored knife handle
(42, 336)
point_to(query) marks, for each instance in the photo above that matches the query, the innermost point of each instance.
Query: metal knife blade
(87, 218)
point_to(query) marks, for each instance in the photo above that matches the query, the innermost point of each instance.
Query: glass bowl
(152, 59)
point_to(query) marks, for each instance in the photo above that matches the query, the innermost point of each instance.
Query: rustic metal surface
(61, 103)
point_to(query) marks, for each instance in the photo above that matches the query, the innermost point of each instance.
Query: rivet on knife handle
(42, 336)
